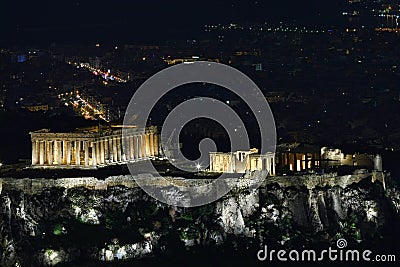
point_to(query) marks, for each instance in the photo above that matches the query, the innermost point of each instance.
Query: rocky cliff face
(78, 224)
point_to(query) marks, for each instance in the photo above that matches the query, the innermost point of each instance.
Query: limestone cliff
(85, 220)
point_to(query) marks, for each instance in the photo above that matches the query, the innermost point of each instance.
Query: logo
(190, 193)
(330, 254)
(341, 243)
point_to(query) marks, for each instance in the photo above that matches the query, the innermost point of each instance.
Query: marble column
(306, 161)
(77, 152)
(119, 149)
(115, 148)
(127, 148)
(124, 149)
(86, 148)
(155, 142)
(144, 155)
(144, 150)
(41, 153)
(102, 152)
(106, 150)
(131, 148)
(59, 156)
(98, 160)
(73, 154)
(110, 149)
(55, 153)
(69, 150)
(46, 152)
(64, 154)
(148, 152)
(37, 151)
(151, 144)
(49, 152)
(137, 146)
(94, 154)
(34, 152)
(273, 166)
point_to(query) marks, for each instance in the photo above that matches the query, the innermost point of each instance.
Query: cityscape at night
(225, 132)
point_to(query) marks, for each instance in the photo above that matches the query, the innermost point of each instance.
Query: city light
(97, 71)
(198, 167)
(89, 109)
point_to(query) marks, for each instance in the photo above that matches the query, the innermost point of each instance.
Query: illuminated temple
(92, 148)
(242, 161)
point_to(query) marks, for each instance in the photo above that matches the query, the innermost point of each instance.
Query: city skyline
(189, 133)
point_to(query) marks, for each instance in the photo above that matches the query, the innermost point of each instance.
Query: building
(295, 157)
(92, 148)
(242, 161)
(36, 108)
(334, 157)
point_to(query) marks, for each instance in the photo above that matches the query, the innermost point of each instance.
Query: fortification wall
(32, 186)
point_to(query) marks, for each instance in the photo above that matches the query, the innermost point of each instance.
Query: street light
(198, 167)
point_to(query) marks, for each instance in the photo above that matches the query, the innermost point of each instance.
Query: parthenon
(92, 149)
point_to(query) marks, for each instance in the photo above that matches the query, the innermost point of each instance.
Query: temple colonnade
(93, 149)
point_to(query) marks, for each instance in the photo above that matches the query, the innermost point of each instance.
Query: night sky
(24, 22)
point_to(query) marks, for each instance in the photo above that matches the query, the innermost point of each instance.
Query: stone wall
(31, 186)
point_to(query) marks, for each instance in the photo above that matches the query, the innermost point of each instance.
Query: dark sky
(73, 20)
